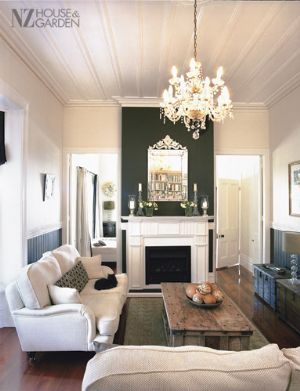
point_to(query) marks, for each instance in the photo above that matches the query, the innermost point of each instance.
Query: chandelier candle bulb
(140, 187)
(195, 186)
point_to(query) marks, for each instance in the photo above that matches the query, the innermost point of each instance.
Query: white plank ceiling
(123, 50)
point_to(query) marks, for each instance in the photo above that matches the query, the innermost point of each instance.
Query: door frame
(266, 208)
(67, 152)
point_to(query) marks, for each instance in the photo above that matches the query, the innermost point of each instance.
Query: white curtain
(99, 213)
(83, 240)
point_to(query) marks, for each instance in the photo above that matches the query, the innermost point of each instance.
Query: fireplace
(179, 247)
(168, 264)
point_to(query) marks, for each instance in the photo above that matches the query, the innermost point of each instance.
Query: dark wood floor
(63, 371)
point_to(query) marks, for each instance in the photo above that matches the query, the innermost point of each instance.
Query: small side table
(288, 303)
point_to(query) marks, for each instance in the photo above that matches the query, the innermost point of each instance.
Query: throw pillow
(76, 278)
(93, 266)
(64, 295)
(106, 283)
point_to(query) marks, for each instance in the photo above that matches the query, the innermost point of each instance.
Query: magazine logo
(47, 17)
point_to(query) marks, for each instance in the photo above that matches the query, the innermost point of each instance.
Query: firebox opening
(168, 264)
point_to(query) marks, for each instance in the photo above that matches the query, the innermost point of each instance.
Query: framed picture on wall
(294, 188)
(49, 186)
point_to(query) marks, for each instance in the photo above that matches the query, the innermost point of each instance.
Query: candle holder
(131, 204)
(195, 207)
(204, 205)
(140, 204)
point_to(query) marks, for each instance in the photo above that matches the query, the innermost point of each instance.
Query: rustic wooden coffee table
(223, 327)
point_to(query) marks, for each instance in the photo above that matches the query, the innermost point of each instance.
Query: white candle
(131, 204)
(204, 205)
(140, 187)
(195, 186)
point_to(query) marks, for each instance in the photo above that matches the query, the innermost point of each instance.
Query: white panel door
(227, 222)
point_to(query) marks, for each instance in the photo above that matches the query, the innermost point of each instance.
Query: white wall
(11, 201)
(285, 148)
(247, 130)
(43, 144)
(92, 127)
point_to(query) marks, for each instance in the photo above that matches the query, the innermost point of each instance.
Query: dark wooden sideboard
(288, 302)
(265, 282)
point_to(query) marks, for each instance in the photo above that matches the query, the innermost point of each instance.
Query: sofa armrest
(57, 309)
(57, 327)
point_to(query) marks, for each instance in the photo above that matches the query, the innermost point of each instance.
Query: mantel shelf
(167, 218)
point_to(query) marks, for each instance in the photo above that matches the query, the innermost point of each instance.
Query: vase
(149, 212)
(188, 211)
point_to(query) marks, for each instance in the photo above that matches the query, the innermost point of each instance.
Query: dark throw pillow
(76, 277)
(106, 283)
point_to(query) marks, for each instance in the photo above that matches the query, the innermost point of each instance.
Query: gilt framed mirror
(167, 171)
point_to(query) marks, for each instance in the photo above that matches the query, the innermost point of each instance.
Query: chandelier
(194, 98)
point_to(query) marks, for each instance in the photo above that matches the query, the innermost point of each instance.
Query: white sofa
(193, 368)
(43, 326)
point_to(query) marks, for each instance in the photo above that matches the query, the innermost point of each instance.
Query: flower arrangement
(150, 204)
(109, 189)
(187, 204)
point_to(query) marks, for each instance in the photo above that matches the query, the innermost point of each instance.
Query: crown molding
(137, 102)
(92, 103)
(243, 106)
(118, 101)
(284, 90)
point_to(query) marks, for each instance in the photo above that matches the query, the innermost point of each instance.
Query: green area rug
(144, 325)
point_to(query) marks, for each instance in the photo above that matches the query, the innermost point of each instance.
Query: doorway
(239, 210)
(94, 205)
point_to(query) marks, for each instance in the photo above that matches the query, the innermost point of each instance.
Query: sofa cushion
(107, 310)
(93, 266)
(34, 279)
(121, 288)
(187, 368)
(60, 295)
(75, 278)
(66, 256)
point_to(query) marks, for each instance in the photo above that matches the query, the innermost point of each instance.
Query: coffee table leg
(224, 343)
(176, 339)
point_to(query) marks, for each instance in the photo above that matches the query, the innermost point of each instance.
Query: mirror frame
(179, 187)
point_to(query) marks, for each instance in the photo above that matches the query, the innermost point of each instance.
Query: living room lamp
(195, 97)
(291, 245)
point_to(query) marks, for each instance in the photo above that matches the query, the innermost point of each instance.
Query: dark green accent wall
(142, 127)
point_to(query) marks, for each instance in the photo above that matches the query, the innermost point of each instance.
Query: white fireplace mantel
(166, 231)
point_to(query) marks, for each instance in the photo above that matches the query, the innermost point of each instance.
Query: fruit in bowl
(204, 293)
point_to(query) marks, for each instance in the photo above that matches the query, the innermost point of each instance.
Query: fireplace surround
(174, 232)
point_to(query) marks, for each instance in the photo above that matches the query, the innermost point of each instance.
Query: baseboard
(247, 262)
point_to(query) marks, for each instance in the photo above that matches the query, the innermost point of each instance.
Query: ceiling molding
(225, 38)
(268, 56)
(137, 102)
(16, 43)
(61, 59)
(108, 34)
(92, 103)
(254, 39)
(284, 90)
(152, 102)
(243, 106)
